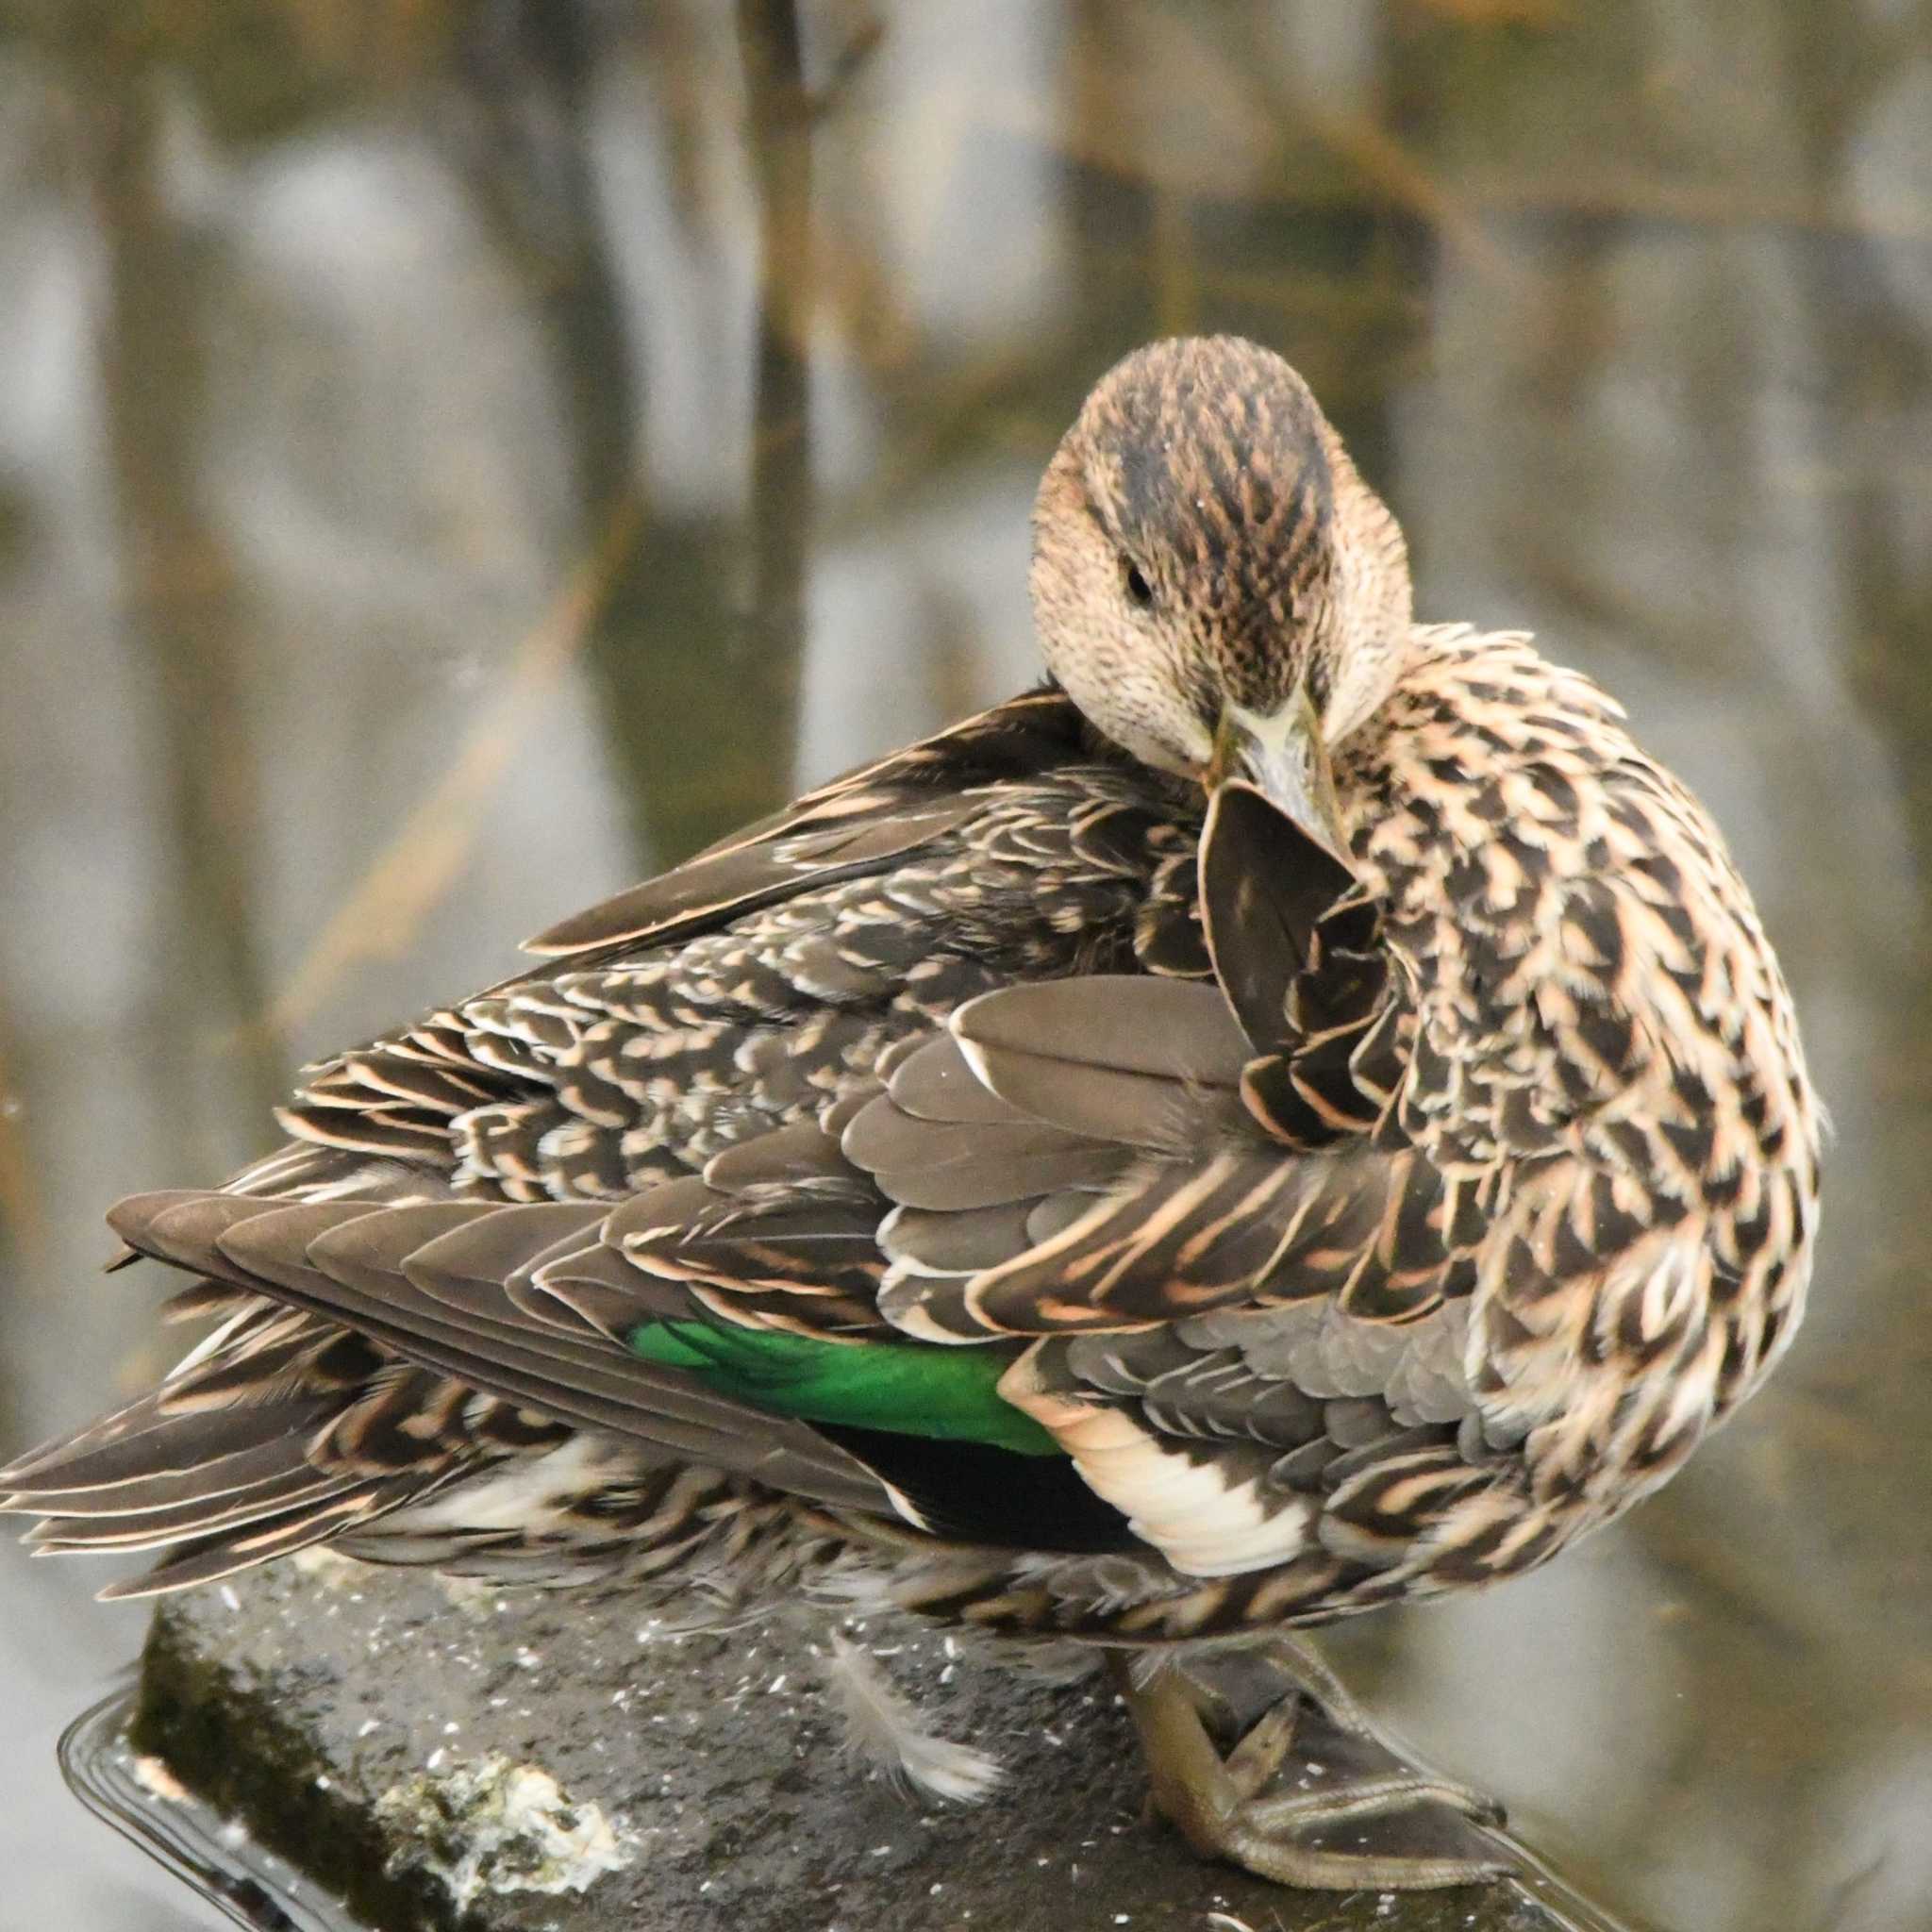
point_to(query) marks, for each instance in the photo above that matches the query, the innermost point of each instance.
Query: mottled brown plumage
(1300, 1114)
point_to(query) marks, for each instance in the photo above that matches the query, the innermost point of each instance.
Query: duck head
(1213, 584)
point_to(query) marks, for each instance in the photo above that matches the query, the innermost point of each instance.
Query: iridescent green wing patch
(903, 1387)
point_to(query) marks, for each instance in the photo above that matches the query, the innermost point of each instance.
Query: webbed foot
(1305, 1793)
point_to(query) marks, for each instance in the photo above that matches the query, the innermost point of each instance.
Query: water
(412, 523)
(148, 1806)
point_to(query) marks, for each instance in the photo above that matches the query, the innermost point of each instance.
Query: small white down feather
(883, 1729)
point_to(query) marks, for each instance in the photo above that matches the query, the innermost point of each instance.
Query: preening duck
(1297, 1113)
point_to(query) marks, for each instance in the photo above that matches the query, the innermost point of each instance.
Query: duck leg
(1305, 1793)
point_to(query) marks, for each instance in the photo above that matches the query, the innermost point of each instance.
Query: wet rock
(445, 1759)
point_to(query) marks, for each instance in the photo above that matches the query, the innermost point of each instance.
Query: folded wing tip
(133, 1217)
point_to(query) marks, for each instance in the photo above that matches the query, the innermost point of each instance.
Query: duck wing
(725, 1013)
(719, 1184)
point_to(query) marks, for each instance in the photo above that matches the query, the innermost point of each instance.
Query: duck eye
(1140, 591)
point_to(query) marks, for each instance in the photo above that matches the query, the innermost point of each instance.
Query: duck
(1295, 1114)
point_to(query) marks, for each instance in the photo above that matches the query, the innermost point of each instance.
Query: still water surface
(453, 459)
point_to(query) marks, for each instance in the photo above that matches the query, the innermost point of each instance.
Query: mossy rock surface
(483, 1760)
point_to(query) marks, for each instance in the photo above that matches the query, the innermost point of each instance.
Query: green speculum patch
(903, 1388)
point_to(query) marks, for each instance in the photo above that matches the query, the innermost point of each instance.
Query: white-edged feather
(882, 1727)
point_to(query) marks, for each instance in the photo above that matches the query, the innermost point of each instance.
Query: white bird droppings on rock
(494, 1827)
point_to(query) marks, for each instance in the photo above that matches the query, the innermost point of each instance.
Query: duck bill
(1283, 757)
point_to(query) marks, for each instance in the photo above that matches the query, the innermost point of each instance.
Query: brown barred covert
(1299, 1112)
